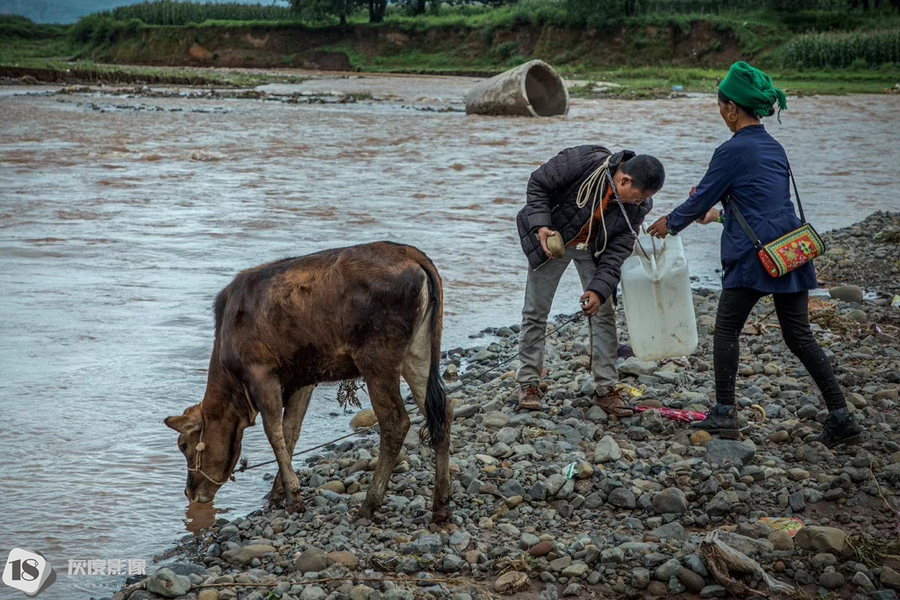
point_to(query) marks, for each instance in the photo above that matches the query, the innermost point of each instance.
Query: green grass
(652, 82)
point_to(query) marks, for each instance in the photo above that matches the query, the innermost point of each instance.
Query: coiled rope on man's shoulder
(592, 187)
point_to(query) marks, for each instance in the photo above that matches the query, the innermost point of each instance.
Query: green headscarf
(751, 88)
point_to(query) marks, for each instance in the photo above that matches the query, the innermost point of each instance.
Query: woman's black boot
(840, 427)
(721, 420)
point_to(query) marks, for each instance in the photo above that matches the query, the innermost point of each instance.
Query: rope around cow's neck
(464, 381)
(198, 468)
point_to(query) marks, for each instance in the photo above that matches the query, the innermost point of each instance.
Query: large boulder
(167, 584)
(824, 539)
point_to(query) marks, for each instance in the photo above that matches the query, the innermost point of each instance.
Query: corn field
(843, 49)
(172, 12)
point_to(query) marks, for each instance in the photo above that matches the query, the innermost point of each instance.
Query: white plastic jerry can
(659, 306)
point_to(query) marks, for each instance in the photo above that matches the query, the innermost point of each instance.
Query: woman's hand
(659, 229)
(711, 216)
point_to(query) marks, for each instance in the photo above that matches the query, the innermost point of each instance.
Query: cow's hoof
(276, 499)
(294, 505)
(365, 512)
(441, 515)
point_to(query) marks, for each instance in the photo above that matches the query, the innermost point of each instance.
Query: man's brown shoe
(530, 399)
(612, 404)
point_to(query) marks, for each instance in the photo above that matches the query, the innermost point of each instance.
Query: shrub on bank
(172, 12)
(857, 50)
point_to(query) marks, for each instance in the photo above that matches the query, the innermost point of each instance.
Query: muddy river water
(121, 217)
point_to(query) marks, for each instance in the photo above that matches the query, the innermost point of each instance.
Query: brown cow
(373, 310)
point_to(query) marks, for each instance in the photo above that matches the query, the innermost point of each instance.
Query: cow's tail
(437, 419)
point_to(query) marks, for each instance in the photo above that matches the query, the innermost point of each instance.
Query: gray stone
(860, 580)
(576, 570)
(538, 491)
(612, 555)
(573, 589)
(744, 544)
(831, 580)
(187, 569)
(714, 591)
(495, 420)
(597, 415)
(652, 421)
(313, 592)
(167, 584)
(452, 563)
(466, 410)
(803, 578)
(797, 502)
(554, 483)
(692, 581)
(721, 451)
(671, 531)
(398, 594)
(890, 578)
(695, 564)
(508, 435)
(847, 293)
(635, 366)
(670, 500)
(460, 539)
(560, 563)
(361, 592)
(622, 497)
(512, 488)
(880, 594)
(640, 578)
(607, 450)
(720, 504)
(654, 559)
(246, 554)
(311, 560)
(824, 539)
(668, 569)
(429, 543)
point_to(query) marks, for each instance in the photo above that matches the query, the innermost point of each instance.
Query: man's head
(639, 178)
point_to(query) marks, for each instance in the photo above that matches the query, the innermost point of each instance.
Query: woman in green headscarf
(752, 171)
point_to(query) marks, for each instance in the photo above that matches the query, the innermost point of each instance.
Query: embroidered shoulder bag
(790, 251)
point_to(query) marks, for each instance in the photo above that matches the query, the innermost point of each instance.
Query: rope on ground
(244, 467)
(885, 500)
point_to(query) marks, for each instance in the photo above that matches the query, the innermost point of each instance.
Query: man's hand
(711, 216)
(543, 234)
(590, 303)
(659, 229)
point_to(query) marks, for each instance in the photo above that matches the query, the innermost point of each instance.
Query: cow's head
(211, 443)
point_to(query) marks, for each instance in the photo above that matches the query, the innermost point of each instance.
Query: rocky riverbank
(865, 254)
(573, 502)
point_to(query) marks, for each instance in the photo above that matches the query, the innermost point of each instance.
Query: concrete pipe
(533, 89)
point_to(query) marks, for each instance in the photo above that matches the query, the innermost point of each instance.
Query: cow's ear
(183, 423)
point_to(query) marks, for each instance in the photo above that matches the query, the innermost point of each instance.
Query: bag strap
(743, 222)
(796, 192)
(746, 226)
